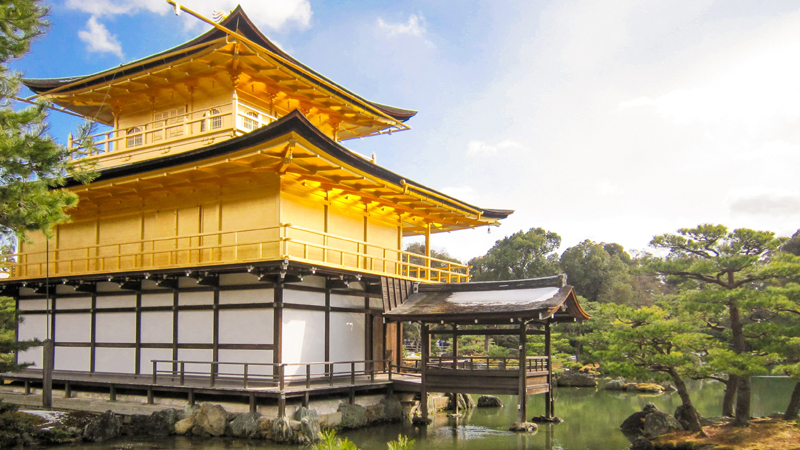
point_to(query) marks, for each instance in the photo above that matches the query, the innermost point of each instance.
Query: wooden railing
(532, 363)
(343, 372)
(186, 128)
(240, 246)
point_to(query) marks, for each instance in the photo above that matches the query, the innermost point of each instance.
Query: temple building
(232, 241)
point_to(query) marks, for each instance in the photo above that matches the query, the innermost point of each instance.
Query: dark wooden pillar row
(215, 332)
(137, 369)
(16, 331)
(549, 407)
(175, 296)
(277, 339)
(327, 321)
(522, 413)
(455, 347)
(399, 344)
(93, 334)
(423, 364)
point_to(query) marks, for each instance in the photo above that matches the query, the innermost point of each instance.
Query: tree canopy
(528, 254)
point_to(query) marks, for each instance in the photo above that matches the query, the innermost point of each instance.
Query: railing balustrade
(279, 378)
(248, 245)
(532, 363)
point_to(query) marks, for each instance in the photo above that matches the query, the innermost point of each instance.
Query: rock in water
(184, 425)
(105, 426)
(245, 426)
(524, 427)
(353, 416)
(281, 431)
(641, 443)
(489, 401)
(213, 419)
(617, 384)
(577, 380)
(309, 426)
(392, 409)
(658, 423)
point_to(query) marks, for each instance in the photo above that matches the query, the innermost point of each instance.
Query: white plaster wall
(348, 301)
(195, 355)
(74, 303)
(149, 354)
(195, 327)
(246, 296)
(73, 358)
(120, 301)
(314, 281)
(157, 327)
(246, 326)
(31, 356)
(115, 360)
(376, 303)
(347, 338)
(33, 326)
(304, 297)
(33, 305)
(303, 339)
(73, 327)
(196, 298)
(149, 300)
(249, 356)
(104, 286)
(115, 327)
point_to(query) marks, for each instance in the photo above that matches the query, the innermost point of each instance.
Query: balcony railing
(285, 241)
(179, 130)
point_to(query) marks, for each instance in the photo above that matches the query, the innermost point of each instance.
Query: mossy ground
(762, 434)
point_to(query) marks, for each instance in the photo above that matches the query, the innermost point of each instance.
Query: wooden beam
(523, 382)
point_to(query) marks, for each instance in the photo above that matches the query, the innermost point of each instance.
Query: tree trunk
(742, 418)
(690, 417)
(794, 404)
(731, 386)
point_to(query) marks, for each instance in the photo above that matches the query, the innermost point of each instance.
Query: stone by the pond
(103, 427)
(265, 427)
(649, 387)
(417, 420)
(617, 384)
(650, 423)
(464, 401)
(576, 379)
(184, 425)
(282, 431)
(213, 419)
(353, 416)
(489, 401)
(159, 423)
(545, 419)
(524, 427)
(392, 409)
(309, 426)
(245, 426)
(683, 415)
(642, 443)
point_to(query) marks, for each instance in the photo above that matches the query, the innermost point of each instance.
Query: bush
(402, 443)
(329, 441)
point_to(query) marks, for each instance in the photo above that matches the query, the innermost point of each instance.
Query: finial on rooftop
(219, 15)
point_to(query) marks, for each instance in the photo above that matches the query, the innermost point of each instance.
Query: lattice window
(134, 137)
(250, 122)
(170, 121)
(212, 120)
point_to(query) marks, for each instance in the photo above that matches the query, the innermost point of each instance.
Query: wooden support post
(428, 250)
(48, 358)
(306, 399)
(352, 399)
(67, 390)
(253, 406)
(282, 405)
(191, 397)
(112, 393)
(549, 407)
(423, 363)
(455, 348)
(523, 382)
(150, 396)
(27, 387)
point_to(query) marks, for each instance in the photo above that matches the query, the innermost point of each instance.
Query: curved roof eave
(295, 122)
(236, 21)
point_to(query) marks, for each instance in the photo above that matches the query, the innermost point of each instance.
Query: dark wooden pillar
(48, 358)
(523, 379)
(277, 329)
(423, 364)
(399, 345)
(549, 409)
(455, 347)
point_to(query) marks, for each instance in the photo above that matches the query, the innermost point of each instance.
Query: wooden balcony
(285, 241)
(170, 134)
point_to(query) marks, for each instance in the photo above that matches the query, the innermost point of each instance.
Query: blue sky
(612, 121)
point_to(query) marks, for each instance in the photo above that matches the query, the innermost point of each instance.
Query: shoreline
(765, 433)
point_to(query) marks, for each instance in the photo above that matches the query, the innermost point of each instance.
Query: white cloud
(480, 148)
(606, 189)
(98, 39)
(760, 201)
(273, 14)
(463, 193)
(415, 26)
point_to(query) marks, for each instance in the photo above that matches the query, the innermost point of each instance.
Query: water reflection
(592, 419)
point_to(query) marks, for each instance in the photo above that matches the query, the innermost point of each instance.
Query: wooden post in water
(48, 356)
(523, 382)
(549, 410)
(423, 363)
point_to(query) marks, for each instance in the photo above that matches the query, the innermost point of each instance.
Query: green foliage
(32, 165)
(8, 343)
(528, 254)
(329, 441)
(792, 245)
(402, 443)
(591, 269)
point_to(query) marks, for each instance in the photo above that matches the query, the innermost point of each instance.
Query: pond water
(591, 422)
